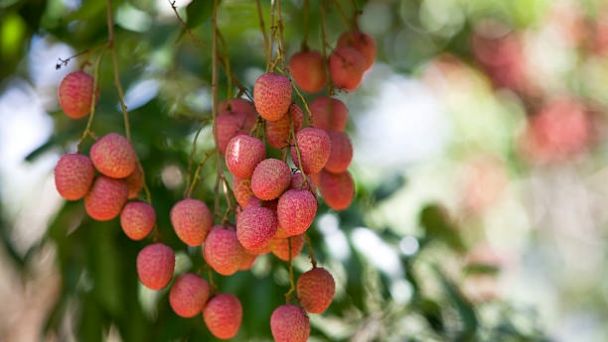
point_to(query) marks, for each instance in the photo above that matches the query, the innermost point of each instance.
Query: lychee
(337, 189)
(188, 295)
(296, 211)
(242, 191)
(289, 323)
(191, 220)
(277, 132)
(74, 175)
(280, 247)
(341, 152)
(222, 251)
(76, 94)
(137, 220)
(243, 153)
(155, 264)
(346, 67)
(247, 261)
(114, 156)
(308, 71)
(255, 227)
(329, 113)
(236, 116)
(362, 42)
(316, 289)
(223, 315)
(135, 181)
(272, 96)
(270, 178)
(299, 182)
(314, 147)
(106, 198)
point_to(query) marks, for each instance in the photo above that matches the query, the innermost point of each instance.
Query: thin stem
(324, 44)
(343, 15)
(292, 283)
(299, 155)
(197, 177)
(304, 102)
(214, 95)
(267, 46)
(184, 25)
(306, 24)
(87, 130)
(311, 251)
(226, 65)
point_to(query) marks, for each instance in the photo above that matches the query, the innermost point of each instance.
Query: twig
(87, 130)
(292, 283)
(214, 95)
(311, 252)
(330, 83)
(64, 62)
(343, 15)
(267, 46)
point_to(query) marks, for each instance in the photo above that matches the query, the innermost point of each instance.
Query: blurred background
(480, 166)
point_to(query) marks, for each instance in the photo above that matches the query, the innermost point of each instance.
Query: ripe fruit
(298, 182)
(272, 96)
(364, 43)
(296, 211)
(316, 289)
(270, 178)
(247, 261)
(236, 116)
(242, 191)
(135, 181)
(308, 71)
(76, 94)
(289, 323)
(329, 114)
(341, 152)
(255, 227)
(191, 220)
(74, 175)
(314, 146)
(222, 251)
(346, 67)
(155, 264)
(243, 153)
(106, 198)
(337, 189)
(277, 132)
(223, 315)
(280, 247)
(188, 295)
(137, 220)
(114, 156)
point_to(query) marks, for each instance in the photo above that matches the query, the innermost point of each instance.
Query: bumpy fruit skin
(155, 265)
(316, 289)
(74, 175)
(137, 220)
(222, 251)
(296, 211)
(314, 148)
(341, 152)
(243, 153)
(114, 156)
(272, 96)
(255, 227)
(135, 181)
(191, 220)
(106, 198)
(236, 116)
(277, 132)
(75, 94)
(188, 295)
(270, 178)
(298, 183)
(242, 191)
(289, 323)
(362, 42)
(337, 189)
(346, 67)
(308, 71)
(280, 247)
(223, 315)
(329, 114)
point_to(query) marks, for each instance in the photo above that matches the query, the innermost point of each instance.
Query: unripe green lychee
(308, 71)
(74, 175)
(277, 132)
(76, 94)
(188, 295)
(316, 289)
(337, 189)
(280, 247)
(314, 146)
(222, 251)
(270, 178)
(155, 265)
(341, 152)
(296, 211)
(243, 153)
(236, 116)
(255, 227)
(223, 315)
(289, 323)
(191, 220)
(362, 42)
(329, 113)
(272, 96)
(106, 198)
(114, 156)
(137, 220)
(135, 181)
(346, 67)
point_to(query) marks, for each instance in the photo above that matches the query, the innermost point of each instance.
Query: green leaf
(465, 309)
(198, 11)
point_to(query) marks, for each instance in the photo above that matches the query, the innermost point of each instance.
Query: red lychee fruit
(308, 71)
(280, 247)
(74, 175)
(76, 94)
(314, 146)
(243, 153)
(106, 198)
(270, 178)
(255, 227)
(222, 251)
(137, 220)
(188, 295)
(223, 315)
(247, 261)
(191, 220)
(316, 289)
(114, 156)
(296, 211)
(277, 132)
(362, 42)
(155, 264)
(298, 182)
(289, 323)
(329, 114)
(242, 191)
(272, 96)
(337, 189)
(346, 67)
(340, 152)
(135, 181)
(236, 116)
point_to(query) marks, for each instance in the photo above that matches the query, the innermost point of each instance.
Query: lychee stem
(87, 130)
(343, 15)
(214, 96)
(293, 136)
(292, 283)
(267, 46)
(311, 251)
(324, 44)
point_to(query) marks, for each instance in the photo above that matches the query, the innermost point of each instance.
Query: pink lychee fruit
(362, 42)
(270, 178)
(137, 220)
(272, 96)
(346, 67)
(155, 265)
(74, 175)
(236, 116)
(316, 289)
(106, 198)
(114, 156)
(188, 295)
(329, 113)
(255, 227)
(308, 71)
(76, 94)
(280, 247)
(222, 251)
(296, 211)
(243, 153)
(289, 323)
(341, 152)
(314, 147)
(223, 315)
(337, 189)
(135, 181)
(278, 132)
(191, 220)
